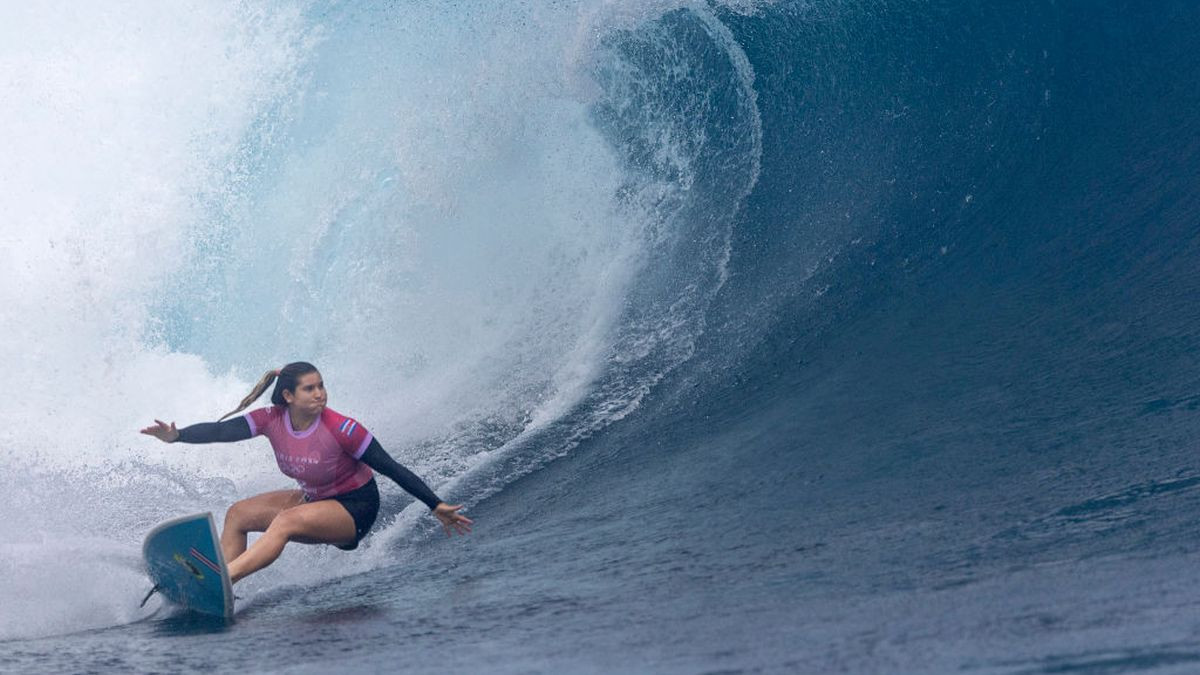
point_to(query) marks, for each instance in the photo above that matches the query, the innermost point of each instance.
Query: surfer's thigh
(319, 522)
(255, 514)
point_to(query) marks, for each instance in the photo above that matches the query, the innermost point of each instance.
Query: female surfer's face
(309, 396)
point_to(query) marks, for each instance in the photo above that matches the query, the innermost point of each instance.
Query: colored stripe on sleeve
(362, 447)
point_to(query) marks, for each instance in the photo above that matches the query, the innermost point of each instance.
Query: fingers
(451, 526)
(450, 519)
(161, 430)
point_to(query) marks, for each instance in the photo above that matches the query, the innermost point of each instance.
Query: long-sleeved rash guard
(326, 459)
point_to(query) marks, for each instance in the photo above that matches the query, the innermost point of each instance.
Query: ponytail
(263, 382)
(287, 378)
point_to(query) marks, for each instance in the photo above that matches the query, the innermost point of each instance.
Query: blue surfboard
(184, 560)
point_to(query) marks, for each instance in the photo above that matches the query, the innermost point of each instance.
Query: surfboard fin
(150, 593)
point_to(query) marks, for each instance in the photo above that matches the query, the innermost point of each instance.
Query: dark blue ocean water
(902, 379)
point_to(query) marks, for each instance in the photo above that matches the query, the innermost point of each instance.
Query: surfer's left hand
(452, 520)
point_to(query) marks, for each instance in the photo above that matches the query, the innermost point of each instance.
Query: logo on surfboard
(196, 571)
(187, 565)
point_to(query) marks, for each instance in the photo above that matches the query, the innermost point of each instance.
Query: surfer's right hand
(167, 433)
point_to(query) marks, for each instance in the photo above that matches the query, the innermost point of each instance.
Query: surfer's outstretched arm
(236, 429)
(378, 459)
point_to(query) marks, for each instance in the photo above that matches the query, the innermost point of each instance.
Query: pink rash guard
(324, 458)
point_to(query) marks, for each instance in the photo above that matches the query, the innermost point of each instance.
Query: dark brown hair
(285, 379)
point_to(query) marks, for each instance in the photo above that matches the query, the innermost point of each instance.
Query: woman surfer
(330, 456)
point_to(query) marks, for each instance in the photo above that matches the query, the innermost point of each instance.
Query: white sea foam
(421, 203)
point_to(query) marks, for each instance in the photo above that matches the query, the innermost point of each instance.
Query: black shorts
(363, 505)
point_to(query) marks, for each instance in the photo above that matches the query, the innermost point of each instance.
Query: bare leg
(253, 515)
(323, 522)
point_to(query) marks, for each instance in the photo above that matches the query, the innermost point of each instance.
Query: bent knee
(247, 516)
(287, 523)
(238, 513)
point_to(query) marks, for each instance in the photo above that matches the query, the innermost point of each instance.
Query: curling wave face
(494, 227)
